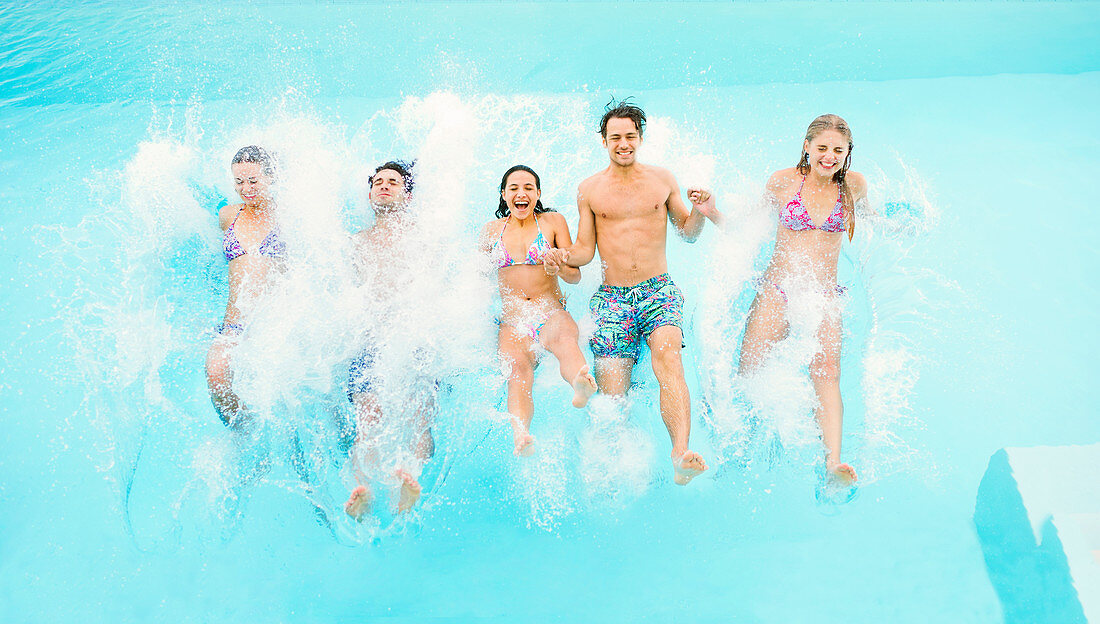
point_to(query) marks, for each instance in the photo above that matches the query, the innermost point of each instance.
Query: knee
(520, 370)
(748, 363)
(825, 370)
(666, 361)
(565, 340)
(567, 333)
(367, 416)
(218, 374)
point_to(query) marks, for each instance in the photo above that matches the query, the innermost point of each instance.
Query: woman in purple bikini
(822, 194)
(521, 246)
(252, 248)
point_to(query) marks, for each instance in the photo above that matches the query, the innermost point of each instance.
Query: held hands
(703, 201)
(554, 261)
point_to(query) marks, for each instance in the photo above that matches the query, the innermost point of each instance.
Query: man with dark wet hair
(624, 211)
(403, 171)
(623, 110)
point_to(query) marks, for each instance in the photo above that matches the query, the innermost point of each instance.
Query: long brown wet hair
(819, 125)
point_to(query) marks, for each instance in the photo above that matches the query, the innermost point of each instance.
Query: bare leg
(423, 450)
(515, 352)
(766, 326)
(559, 335)
(664, 345)
(613, 375)
(219, 378)
(825, 372)
(424, 447)
(363, 453)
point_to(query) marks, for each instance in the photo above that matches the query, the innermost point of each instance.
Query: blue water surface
(971, 325)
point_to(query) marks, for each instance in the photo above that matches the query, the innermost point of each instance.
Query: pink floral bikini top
(795, 217)
(536, 252)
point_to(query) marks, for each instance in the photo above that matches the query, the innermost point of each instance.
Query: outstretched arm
(582, 252)
(555, 260)
(485, 246)
(689, 223)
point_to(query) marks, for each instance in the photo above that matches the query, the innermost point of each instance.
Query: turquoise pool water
(971, 324)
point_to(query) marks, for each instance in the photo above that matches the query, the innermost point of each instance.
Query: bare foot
(358, 503)
(584, 386)
(410, 491)
(525, 442)
(687, 466)
(525, 445)
(844, 474)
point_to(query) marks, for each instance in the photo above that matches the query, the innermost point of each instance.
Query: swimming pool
(970, 328)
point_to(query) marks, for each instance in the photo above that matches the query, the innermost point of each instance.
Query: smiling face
(387, 190)
(622, 140)
(827, 152)
(251, 183)
(521, 193)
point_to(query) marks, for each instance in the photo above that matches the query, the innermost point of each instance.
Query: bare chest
(619, 202)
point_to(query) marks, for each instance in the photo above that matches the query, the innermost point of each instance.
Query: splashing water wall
(969, 323)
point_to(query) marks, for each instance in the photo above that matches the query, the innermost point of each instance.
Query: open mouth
(522, 204)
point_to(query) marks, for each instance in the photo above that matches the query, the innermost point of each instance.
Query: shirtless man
(624, 211)
(382, 260)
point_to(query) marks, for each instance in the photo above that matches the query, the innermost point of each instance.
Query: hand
(554, 261)
(703, 201)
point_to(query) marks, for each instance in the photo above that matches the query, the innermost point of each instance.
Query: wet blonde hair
(817, 126)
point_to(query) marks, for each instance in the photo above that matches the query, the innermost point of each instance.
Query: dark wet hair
(502, 209)
(817, 126)
(258, 155)
(402, 168)
(622, 109)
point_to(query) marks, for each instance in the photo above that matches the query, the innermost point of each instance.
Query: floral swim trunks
(627, 315)
(364, 376)
(229, 329)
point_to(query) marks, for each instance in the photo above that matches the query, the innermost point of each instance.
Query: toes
(405, 477)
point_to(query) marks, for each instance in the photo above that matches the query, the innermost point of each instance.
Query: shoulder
(227, 214)
(493, 227)
(857, 183)
(555, 219)
(785, 175)
(590, 182)
(589, 188)
(783, 178)
(361, 237)
(658, 172)
(662, 175)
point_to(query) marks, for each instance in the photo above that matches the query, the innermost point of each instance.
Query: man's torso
(631, 217)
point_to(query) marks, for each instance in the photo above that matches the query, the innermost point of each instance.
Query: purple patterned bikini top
(271, 246)
(795, 217)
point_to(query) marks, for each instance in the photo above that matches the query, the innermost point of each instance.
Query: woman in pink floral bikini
(518, 244)
(821, 190)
